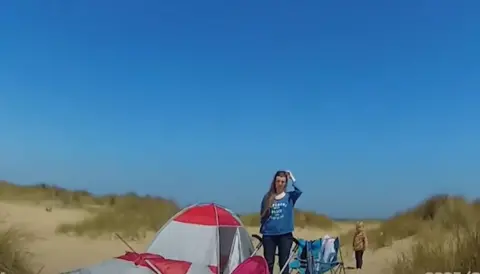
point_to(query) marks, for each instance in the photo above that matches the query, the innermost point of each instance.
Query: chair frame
(339, 264)
(339, 267)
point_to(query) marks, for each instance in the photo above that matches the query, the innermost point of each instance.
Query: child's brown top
(360, 241)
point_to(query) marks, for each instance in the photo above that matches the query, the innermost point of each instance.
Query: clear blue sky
(205, 100)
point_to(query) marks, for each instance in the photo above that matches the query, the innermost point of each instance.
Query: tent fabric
(189, 236)
(180, 241)
(210, 215)
(200, 239)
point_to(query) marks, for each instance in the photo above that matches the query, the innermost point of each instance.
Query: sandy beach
(57, 252)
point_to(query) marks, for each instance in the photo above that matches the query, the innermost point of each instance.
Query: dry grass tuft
(457, 250)
(14, 258)
(434, 216)
(442, 211)
(447, 240)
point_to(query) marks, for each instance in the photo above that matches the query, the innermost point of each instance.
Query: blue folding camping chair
(313, 257)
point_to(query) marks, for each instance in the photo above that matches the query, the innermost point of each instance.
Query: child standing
(360, 244)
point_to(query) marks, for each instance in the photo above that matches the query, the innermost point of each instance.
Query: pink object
(165, 266)
(252, 265)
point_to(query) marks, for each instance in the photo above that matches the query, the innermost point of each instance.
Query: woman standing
(277, 222)
(360, 244)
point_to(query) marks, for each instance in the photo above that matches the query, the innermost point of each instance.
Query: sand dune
(61, 253)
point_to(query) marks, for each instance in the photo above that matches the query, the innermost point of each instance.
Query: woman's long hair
(272, 192)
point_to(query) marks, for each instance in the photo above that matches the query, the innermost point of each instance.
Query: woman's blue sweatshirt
(280, 220)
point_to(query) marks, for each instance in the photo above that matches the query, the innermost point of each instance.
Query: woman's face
(280, 183)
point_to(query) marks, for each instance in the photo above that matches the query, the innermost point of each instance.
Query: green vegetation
(131, 215)
(442, 212)
(445, 231)
(136, 216)
(447, 237)
(302, 219)
(458, 250)
(41, 193)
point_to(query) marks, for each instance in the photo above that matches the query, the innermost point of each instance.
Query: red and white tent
(200, 239)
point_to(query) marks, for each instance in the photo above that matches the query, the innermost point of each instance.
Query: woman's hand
(290, 175)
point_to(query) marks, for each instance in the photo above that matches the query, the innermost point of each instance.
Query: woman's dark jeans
(359, 259)
(283, 243)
